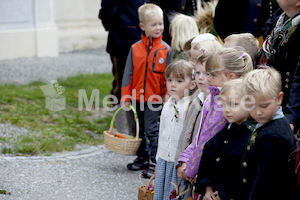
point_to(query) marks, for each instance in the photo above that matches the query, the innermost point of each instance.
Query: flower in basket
(151, 188)
(177, 194)
(173, 194)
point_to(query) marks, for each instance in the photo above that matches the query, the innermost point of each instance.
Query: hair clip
(193, 74)
(241, 54)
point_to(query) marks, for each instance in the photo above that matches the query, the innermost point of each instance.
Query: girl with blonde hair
(182, 28)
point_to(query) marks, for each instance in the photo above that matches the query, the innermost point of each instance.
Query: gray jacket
(191, 125)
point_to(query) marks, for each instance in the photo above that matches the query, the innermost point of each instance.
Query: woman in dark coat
(281, 51)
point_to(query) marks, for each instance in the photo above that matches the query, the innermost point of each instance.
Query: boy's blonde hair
(265, 82)
(235, 84)
(229, 61)
(182, 29)
(147, 10)
(245, 40)
(205, 48)
(180, 69)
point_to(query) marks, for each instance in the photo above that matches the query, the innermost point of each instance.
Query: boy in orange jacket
(143, 83)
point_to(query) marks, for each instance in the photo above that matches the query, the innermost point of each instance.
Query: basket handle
(151, 179)
(135, 119)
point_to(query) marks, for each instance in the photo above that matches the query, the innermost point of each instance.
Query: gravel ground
(91, 173)
(25, 70)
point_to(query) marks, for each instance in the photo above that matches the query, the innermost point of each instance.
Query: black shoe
(138, 164)
(149, 172)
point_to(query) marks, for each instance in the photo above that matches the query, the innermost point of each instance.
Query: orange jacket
(144, 72)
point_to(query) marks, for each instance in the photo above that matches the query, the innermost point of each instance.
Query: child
(192, 121)
(222, 66)
(245, 40)
(219, 170)
(144, 79)
(180, 83)
(182, 28)
(206, 46)
(199, 38)
(267, 172)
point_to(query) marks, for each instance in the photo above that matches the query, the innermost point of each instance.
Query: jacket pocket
(159, 61)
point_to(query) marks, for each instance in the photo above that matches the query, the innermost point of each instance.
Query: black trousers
(149, 128)
(118, 71)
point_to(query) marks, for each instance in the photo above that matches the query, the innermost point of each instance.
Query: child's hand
(217, 197)
(181, 171)
(210, 194)
(191, 180)
(182, 175)
(292, 127)
(125, 104)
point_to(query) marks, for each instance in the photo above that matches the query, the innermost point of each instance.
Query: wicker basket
(144, 193)
(120, 145)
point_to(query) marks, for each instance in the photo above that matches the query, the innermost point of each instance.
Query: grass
(24, 107)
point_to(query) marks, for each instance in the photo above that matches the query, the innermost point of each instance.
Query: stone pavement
(94, 173)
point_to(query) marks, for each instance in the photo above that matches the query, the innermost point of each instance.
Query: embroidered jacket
(212, 122)
(171, 123)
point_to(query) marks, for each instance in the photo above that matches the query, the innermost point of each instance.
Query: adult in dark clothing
(293, 106)
(120, 19)
(293, 114)
(237, 16)
(281, 51)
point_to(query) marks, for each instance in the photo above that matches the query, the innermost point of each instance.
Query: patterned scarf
(280, 35)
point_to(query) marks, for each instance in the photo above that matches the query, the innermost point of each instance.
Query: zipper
(161, 88)
(148, 52)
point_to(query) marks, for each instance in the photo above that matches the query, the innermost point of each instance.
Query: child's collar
(175, 101)
(214, 91)
(278, 115)
(201, 96)
(249, 124)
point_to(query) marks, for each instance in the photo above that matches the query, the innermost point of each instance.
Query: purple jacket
(212, 122)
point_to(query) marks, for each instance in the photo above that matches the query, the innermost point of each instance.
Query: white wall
(47, 27)
(78, 24)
